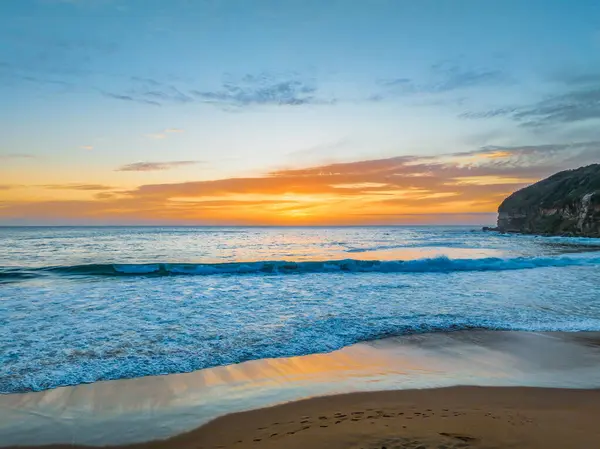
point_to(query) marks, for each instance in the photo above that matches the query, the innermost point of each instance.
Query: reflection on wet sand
(157, 407)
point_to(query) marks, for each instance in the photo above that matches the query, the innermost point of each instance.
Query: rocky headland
(566, 203)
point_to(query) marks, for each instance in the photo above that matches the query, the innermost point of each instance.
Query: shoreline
(145, 410)
(437, 418)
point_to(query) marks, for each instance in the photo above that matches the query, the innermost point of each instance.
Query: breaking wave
(440, 264)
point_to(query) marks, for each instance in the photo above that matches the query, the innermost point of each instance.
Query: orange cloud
(84, 187)
(490, 180)
(383, 191)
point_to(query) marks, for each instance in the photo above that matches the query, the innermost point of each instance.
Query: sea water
(82, 304)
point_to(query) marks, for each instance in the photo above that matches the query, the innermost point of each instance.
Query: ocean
(83, 304)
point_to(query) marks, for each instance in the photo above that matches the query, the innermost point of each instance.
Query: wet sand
(448, 418)
(413, 411)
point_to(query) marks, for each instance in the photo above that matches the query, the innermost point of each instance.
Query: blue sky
(139, 92)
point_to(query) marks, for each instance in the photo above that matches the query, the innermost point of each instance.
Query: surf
(441, 264)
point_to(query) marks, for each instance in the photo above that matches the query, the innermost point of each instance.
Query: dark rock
(567, 203)
(489, 229)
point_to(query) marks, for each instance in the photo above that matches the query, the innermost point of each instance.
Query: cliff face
(567, 203)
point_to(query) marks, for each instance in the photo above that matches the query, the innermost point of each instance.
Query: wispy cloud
(345, 193)
(443, 77)
(130, 98)
(577, 101)
(155, 166)
(250, 90)
(153, 92)
(574, 106)
(41, 80)
(87, 147)
(380, 179)
(451, 76)
(264, 89)
(550, 157)
(491, 113)
(492, 169)
(84, 187)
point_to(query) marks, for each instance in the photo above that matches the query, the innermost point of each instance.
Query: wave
(15, 274)
(440, 264)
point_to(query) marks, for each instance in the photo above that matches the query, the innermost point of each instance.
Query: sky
(297, 112)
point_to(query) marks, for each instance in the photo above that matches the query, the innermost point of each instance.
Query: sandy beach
(455, 417)
(529, 390)
(458, 417)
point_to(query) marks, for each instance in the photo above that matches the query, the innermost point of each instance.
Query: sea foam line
(440, 264)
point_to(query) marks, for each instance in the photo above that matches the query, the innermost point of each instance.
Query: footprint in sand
(458, 436)
(407, 443)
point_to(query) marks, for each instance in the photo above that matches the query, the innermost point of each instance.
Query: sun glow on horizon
(364, 192)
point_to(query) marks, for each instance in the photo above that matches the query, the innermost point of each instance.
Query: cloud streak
(83, 187)
(579, 102)
(250, 90)
(574, 106)
(453, 77)
(379, 191)
(155, 166)
(443, 78)
(130, 98)
(262, 90)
